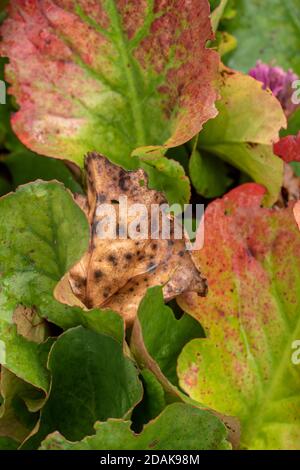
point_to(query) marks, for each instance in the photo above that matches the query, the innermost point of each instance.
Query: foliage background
(200, 373)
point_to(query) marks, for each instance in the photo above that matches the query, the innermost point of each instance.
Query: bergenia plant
(149, 212)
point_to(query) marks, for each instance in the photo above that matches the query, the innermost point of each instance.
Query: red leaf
(109, 75)
(288, 148)
(243, 368)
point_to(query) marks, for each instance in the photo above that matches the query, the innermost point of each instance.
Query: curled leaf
(178, 427)
(16, 421)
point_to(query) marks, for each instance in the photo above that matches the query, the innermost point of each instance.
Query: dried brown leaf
(116, 273)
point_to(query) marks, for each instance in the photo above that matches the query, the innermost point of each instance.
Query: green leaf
(109, 76)
(157, 331)
(156, 341)
(293, 124)
(16, 421)
(268, 30)
(25, 167)
(242, 134)
(180, 154)
(24, 358)
(217, 14)
(91, 380)
(44, 234)
(245, 366)
(153, 401)
(222, 10)
(224, 43)
(179, 427)
(7, 443)
(296, 168)
(209, 174)
(164, 174)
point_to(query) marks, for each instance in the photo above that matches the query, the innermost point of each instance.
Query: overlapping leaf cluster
(142, 82)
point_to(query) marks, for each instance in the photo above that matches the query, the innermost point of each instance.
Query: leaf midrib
(127, 62)
(128, 67)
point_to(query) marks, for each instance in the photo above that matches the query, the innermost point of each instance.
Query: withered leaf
(116, 272)
(30, 325)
